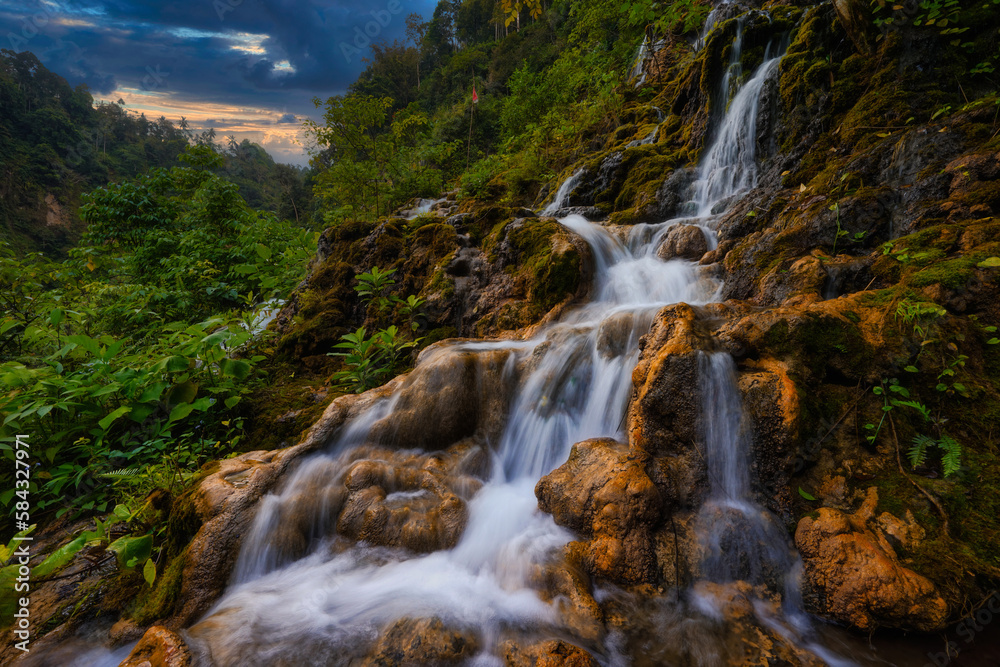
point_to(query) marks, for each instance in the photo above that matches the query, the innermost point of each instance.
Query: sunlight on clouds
(285, 141)
(247, 42)
(68, 22)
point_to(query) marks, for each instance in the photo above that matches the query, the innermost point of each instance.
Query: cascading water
(325, 599)
(558, 201)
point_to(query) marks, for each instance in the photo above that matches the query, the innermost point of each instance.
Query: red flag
(475, 98)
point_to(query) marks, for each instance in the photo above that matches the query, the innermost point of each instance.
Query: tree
(368, 159)
(390, 73)
(416, 28)
(360, 154)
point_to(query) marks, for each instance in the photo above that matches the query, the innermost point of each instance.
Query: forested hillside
(56, 144)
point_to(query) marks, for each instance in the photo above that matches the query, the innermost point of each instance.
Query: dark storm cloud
(254, 53)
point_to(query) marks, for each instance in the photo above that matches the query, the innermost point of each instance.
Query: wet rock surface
(685, 242)
(159, 647)
(552, 653)
(604, 494)
(411, 642)
(857, 573)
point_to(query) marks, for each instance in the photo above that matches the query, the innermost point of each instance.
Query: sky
(249, 68)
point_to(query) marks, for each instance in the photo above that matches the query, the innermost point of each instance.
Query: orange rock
(423, 641)
(859, 578)
(604, 493)
(551, 653)
(159, 647)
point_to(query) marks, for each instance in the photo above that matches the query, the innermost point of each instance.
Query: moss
(162, 600)
(643, 178)
(952, 274)
(985, 193)
(820, 344)
(439, 334)
(552, 268)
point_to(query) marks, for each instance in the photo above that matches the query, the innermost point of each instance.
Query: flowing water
(326, 600)
(559, 200)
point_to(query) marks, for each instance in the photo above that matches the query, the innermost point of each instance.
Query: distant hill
(56, 144)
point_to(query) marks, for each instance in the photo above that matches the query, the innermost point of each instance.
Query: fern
(918, 452)
(123, 473)
(951, 452)
(951, 459)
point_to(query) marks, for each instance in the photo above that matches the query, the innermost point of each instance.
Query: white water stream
(326, 607)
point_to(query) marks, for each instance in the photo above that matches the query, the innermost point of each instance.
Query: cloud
(271, 55)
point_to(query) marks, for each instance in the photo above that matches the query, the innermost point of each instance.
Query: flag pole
(472, 111)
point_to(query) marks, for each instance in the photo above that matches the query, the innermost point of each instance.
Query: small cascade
(741, 540)
(711, 21)
(559, 201)
(424, 207)
(638, 72)
(730, 167)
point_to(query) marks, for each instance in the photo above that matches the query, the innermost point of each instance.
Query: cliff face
(857, 284)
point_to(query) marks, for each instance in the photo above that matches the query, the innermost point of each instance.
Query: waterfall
(321, 599)
(742, 541)
(562, 193)
(730, 167)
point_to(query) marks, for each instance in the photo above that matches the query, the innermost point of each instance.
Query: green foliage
(959, 23)
(129, 550)
(372, 285)
(56, 143)
(673, 16)
(98, 406)
(951, 452)
(370, 361)
(178, 268)
(368, 156)
(894, 395)
(182, 242)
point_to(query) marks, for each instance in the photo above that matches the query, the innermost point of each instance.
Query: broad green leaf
(7, 551)
(215, 339)
(184, 392)
(87, 343)
(110, 419)
(105, 390)
(149, 571)
(152, 393)
(59, 558)
(128, 548)
(263, 251)
(203, 404)
(140, 412)
(236, 368)
(173, 364)
(181, 411)
(989, 263)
